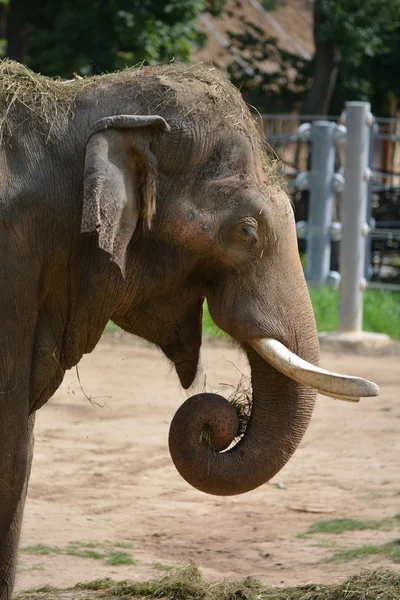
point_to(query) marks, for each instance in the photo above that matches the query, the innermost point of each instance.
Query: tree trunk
(326, 68)
(17, 31)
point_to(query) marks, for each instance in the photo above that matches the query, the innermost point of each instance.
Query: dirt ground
(103, 474)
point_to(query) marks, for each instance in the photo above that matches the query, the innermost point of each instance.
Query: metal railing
(333, 157)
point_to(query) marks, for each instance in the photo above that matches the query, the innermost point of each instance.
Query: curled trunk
(281, 411)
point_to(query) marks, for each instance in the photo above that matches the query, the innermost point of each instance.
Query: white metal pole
(323, 137)
(354, 212)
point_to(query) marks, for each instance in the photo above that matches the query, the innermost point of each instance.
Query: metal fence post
(354, 212)
(323, 135)
(368, 241)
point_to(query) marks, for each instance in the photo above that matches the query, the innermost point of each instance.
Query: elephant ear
(119, 180)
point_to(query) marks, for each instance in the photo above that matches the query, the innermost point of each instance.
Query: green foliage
(374, 80)
(92, 36)
(268, 4)
(215, 7)
(358, 28)
(367, 35)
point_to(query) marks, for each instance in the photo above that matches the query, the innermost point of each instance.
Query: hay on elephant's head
(177, 91)
(43, 98)
(51, 99)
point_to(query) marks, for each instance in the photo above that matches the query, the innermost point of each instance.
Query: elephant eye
(245, 231)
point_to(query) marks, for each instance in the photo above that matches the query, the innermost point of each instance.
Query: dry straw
(51, 100)
(24, 94)
(186, 583)
(177, 91)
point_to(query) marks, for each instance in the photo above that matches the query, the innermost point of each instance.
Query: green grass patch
(381, 310)
(325, 303)
(210, 329)
(110, 327)
(77, 544)
(341, 525)
(84, 553)
(119, 558)
(186, 583)
(338, 526)
(126, 545)
(106, 551)
(354, 553)
(41, 550)
(161, 566)
(391, 550)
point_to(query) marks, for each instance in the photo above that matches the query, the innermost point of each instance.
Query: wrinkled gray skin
(221, 230)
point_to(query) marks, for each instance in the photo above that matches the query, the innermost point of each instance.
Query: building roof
(291, 23)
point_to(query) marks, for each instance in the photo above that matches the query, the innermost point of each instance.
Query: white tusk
(334, 385)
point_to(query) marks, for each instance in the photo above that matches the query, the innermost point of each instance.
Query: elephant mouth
(277, 355)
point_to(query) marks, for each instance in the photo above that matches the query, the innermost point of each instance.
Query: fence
(344, 175)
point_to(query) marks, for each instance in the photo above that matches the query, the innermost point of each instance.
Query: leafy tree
(91, 36)
(351, 39)
(215, 7)
(357, 52)
(357, 47)
(375, 79)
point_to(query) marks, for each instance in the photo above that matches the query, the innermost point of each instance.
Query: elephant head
(179, 193)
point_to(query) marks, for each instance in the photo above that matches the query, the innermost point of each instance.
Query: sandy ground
(103, 474)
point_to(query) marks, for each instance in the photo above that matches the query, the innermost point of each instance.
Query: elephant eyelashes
(245, 232)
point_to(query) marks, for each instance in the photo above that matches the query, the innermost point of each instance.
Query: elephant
(133, 197)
